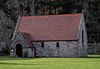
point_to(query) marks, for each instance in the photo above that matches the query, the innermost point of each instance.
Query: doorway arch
(19, 50)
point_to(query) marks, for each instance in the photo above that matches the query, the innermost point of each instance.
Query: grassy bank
(91, 62)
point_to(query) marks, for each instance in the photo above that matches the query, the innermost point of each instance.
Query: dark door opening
(35, 52)
(19, 50)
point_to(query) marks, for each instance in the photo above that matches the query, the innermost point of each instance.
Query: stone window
(57, 45)
(42, 44)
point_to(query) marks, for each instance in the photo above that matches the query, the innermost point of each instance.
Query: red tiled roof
(27, 38)
(51, 27)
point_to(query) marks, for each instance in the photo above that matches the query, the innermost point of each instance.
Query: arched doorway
(19, 50)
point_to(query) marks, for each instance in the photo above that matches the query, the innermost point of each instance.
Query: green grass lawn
(92, 62)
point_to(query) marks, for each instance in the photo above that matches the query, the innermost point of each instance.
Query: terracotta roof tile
(27, 38)
(51, 27)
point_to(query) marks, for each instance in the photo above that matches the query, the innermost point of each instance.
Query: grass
(91, 62)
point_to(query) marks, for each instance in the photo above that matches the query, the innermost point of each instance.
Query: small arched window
(42, 44)
(57, 45)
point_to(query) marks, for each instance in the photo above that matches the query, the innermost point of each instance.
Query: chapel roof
(50, 27)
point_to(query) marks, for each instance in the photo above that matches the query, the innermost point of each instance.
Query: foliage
(67, 5)
(6, 28)
(2, 2)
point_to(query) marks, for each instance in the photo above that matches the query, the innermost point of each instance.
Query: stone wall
(82, 38)
(50, 49)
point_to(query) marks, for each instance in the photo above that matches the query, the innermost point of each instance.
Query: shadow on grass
(6, 63)
(10, 58)
(91, 56)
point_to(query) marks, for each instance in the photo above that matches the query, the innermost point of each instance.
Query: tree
(6, 28)
(91, 10)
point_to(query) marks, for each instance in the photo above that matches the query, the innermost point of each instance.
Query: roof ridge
(52, 15)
